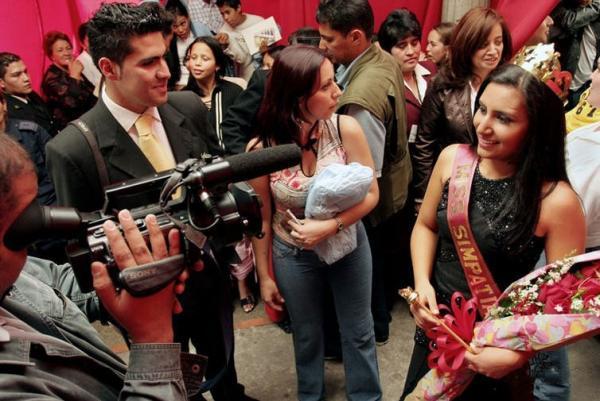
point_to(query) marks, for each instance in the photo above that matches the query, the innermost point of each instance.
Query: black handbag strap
(91, 140)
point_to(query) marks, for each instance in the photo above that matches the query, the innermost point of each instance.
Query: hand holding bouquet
(549, 308)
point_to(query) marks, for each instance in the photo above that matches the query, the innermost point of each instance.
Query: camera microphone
(245, 166)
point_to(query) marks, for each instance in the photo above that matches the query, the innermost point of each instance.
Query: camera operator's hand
(146, 319)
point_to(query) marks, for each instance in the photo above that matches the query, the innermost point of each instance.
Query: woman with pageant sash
(509, 192)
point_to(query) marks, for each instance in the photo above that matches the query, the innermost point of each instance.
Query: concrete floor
(265, 360)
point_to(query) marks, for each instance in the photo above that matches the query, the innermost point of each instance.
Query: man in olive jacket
(373, 93)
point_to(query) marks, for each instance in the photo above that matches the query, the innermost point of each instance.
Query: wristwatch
(340, 224)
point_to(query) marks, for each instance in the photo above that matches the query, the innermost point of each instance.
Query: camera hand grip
(151, 277)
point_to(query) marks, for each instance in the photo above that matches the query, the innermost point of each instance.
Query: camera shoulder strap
(91, 140)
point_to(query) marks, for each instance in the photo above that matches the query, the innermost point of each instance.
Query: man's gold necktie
(149, 145)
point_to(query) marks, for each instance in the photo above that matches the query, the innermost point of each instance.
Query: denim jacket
(54, 353)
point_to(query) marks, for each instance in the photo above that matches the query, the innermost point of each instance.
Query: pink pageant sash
(478, 276)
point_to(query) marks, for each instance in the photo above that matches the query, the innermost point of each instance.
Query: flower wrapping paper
(518, 332)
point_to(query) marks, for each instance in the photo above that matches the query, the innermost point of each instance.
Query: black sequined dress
(491, 233)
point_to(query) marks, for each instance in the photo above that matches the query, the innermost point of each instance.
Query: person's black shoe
(333, 357)
(381, 339)
(285, 325)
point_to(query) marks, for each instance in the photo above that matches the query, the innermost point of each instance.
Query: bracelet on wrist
(340, 224)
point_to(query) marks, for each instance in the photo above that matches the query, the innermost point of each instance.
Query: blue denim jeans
(301, 278)
(550, 369)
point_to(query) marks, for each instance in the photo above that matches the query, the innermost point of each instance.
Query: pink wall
(22, 29)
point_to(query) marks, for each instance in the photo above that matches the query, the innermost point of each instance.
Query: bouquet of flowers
(553, 306)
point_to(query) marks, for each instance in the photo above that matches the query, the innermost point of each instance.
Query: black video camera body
(202, 198)
(223, 214)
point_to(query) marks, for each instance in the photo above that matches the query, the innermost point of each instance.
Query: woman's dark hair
(294, 77)
(541, 158)
(221, 61)
(470, 35)
(51, 38)
(398, 25)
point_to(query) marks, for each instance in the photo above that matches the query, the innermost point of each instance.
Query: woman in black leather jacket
(480, 42)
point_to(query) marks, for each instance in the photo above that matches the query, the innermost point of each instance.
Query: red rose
(556, 295)
(591, 271)
(591, 288)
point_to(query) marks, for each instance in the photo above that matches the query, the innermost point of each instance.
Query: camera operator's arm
(263, 246)
(62, 278)
(154, 370)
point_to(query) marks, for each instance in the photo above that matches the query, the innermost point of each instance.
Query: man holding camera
(48, 347)
(138, 129)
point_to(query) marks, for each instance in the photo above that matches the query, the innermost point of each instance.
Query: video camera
(203, 198)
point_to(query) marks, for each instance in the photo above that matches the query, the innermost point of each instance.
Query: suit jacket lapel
(180, 138)
(118, 148)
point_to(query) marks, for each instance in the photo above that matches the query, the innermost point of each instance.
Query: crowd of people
(155, 85)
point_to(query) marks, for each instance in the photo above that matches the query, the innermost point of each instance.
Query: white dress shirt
(583, 168)
(127, 118)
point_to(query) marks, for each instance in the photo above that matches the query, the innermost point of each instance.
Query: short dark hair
(14, 161)
(176, 7)
(398, 25)
(305, 36)
(82, 32)
(114, 24)
(346, 15)
(51, 38)
(541, 158)
(230, 3)
(294, 77)
(6, 59)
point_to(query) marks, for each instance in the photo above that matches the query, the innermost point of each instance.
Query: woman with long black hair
(519, 203)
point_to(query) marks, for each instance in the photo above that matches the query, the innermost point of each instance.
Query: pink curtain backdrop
(23, 25)
(523, 17)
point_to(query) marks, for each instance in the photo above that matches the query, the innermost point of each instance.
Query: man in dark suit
(140, 129)
(240, 119)
(22, 102)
